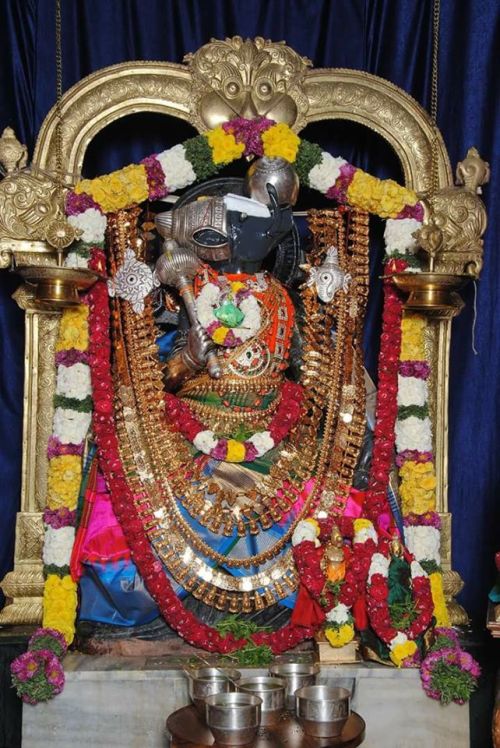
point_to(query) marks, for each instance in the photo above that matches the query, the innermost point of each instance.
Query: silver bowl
(322, 710)
(210, 680)
(233, 718)
(296, 675)
(271, 691)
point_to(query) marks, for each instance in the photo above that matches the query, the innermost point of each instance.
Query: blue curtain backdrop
(391, 38)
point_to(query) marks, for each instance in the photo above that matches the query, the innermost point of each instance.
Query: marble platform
(124, 702)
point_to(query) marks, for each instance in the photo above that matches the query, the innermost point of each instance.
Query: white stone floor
(124, 702)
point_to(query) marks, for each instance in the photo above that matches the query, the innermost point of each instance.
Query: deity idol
(264, 399)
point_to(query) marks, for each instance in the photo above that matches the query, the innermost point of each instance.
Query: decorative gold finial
(247, 78)
(13, 154)
(473, 172)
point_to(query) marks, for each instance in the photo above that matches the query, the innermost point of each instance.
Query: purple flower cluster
(47, 638)
(57, 518)
(413, 211)
(76, 204)
(219, 452)
(55, 448)
(448, 633)
(418, 369)
(37, 675)
(449, 674)
(429, 519)
(338, 191)
(156, 177)
(249, 132)
(71, 356)
(414, 455)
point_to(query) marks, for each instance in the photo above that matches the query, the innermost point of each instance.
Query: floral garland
(448, 673)
(202, 156)
(72, 416)
(416, 461)
(338, 606)
(181, 620)
(230, 314)
(155, 177)
(230, 450)
(37, 675)
(402, 645)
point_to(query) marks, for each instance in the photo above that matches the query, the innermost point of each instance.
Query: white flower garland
(379, 565)
(92, 224)
(423, 542)
(414, 433)
(325, 174)
(179, 172)
(340, 614)
(412, 391)
(70, 426)
(306, 529)
(209, 300)
(57, 546)
(398, 235)
(74, 381)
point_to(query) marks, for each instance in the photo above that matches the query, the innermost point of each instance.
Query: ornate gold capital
(456, 221)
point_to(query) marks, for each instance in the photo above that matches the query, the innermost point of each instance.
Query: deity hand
(189, 359)
(198, 346)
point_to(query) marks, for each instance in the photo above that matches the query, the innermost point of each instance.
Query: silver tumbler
(322, 710)
(296, 675)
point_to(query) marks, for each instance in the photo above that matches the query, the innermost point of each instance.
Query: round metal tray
(188, 729)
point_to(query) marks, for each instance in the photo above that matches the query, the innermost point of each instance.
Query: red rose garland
(152, 571)
(387, 407)
(180, 416)
(377, 601)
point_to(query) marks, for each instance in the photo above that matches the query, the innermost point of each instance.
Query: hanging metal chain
(59, 118)
(434, 94)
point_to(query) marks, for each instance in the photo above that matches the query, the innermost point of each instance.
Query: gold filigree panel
(357, 96)
(29, 536)
(247, 78)
(39, 388)
(104, 97)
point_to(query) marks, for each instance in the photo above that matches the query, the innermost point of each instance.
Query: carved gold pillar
(452, 582)
(451, 236)
(23, 587)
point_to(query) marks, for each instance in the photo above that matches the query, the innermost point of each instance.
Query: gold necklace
(150, 414)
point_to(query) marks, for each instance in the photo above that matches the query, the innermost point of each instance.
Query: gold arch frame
(128, 88)
(175, 89)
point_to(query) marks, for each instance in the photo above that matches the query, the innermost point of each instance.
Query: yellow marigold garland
(73, 329)
(440, 610)
(413, 338)
(120, 189)
(224, 146)
(385, 197)
(341, 636)
(63, 482)
(59, 605)
(418, 487)
(400, 652)
(280, 142)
